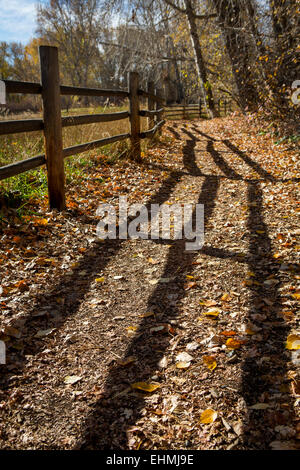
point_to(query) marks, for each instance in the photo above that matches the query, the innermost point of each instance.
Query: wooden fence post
(52, 126)
(225, 107)
(135, 122)
(159, 93)
(151, 104)
(200, 108)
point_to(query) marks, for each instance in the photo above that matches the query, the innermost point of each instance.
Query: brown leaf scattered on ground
(95, 329)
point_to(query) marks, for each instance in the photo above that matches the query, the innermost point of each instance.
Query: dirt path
(97, 320)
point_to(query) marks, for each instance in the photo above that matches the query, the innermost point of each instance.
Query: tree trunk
(200, 65)
(231, 23)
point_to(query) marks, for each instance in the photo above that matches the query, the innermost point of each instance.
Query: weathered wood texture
(52, 126)
(151, 105)
(135, 122)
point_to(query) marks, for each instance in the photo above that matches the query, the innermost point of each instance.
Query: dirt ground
(91, 325)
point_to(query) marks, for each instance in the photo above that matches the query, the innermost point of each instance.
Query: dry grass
(25, 145)
(32, 184)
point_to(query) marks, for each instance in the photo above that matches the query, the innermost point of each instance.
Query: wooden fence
(190, 111)
(53, 122)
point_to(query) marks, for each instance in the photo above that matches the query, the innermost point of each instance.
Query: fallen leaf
(163, 362)
(145, 387)
(228, 333)
(213, 312)
(72, 379)
(208, 416)
(126, 362)
(131, 329)
(192, 346)
(183, 365)
(232, 343)
(210, 362)
(189, 285)
(259, 406)
(100, 279)
(293, 342)
(147, 315)
(208, 303)
(42, 333)
(184, 357)
(226, 298)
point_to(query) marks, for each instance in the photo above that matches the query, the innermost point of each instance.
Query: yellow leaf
(210, 362)
(226, 298)
(41, 222)
(296, 296)
(100, 279)
(189, 277)
(293, 342)
(131, 329)
(213, 312)
(233, 343)
(208, 416)
(145, 387)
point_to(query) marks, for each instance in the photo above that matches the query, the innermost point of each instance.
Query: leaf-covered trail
(206, 329)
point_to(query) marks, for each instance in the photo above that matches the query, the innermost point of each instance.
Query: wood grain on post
(151, 104)
(52, 126)
(159, 93)
(135, 122)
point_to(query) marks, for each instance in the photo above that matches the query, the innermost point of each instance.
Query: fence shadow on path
(71, 289)
(105, 427)
(264, 370)
(261, 361)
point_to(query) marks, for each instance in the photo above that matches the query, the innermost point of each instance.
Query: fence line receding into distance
(52, 123)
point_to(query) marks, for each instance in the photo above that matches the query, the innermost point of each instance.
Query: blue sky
(17, 20)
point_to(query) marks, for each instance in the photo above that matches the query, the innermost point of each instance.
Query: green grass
(17, 192)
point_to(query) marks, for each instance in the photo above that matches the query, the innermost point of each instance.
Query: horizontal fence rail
(184, 111)
(29, 125)
(152, 131)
